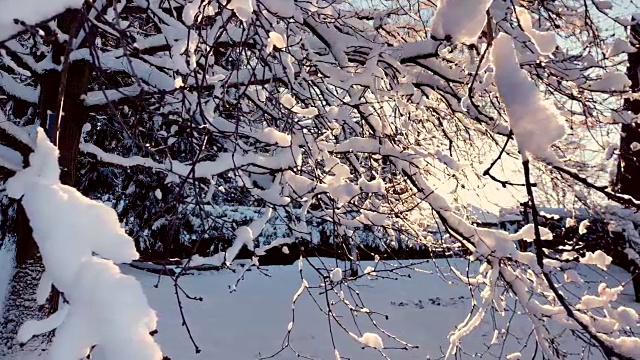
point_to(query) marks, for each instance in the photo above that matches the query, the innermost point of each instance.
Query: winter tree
(376, 115)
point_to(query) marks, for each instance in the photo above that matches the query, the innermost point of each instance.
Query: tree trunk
(526, 213)
(629, 167)
(354, 261)
(74, 114)
(21, 303)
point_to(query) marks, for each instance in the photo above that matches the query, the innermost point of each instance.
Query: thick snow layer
(528, 233)
(616, 81)
(371, 340)
(463, 20)
(336, 275)
(545, 41)
(106, 308)
(275, 40)
(29, 11)
(243, 8)
(535, 121)
(422, 311)
(620, 46)
(597, 258)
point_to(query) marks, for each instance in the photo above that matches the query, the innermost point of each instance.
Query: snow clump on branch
(535, 122)
(102, 306)
(446, 20)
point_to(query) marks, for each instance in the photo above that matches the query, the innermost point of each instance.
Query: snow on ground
(253, 320)
(31, 12)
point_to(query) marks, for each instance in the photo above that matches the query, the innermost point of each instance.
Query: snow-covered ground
(252, 321)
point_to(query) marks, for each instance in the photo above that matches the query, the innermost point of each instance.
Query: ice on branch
(535, 121)
(69, 229)
(463, 20)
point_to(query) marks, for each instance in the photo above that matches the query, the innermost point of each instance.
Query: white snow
(10, 158)
(336, 275)
(204, 169)
(244, 236)
(627, 345)
(301, 289)
(422, 311)
(572, 276)
(81, 239)
(528, 233)
(18, 89)
(275, 40)
(371, 340)
(582, 229)
(514, 356)
(598, 258)
(370, 270)
(31, 328)
(243, 8)
(620, 46)
(626, 317)
(535, 121)
(447, 19)
(611, 81)
(31, 12)
(545, 41)
(288, 101)
(69, 228)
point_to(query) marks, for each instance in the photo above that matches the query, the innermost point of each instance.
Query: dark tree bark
(629, 166)
(74, 114)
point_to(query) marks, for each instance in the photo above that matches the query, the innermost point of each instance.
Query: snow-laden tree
(383, 115)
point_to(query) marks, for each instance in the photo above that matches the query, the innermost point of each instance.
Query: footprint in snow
(435, 301)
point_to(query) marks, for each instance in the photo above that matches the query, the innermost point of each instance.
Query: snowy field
(252, 321)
